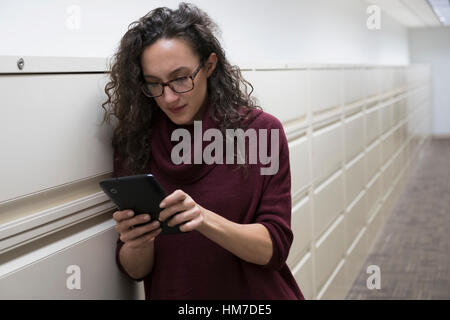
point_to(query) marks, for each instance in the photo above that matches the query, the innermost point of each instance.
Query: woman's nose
(169, 95)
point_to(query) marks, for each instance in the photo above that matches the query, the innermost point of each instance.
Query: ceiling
(417, 13)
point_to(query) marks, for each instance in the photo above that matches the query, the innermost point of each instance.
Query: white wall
(309, 31)
(432, 45)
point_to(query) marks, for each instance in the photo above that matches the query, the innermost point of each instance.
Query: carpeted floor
(413, 249)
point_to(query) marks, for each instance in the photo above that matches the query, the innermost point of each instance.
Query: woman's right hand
(139, 237)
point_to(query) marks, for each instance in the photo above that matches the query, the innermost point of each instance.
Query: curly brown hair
(133, 110)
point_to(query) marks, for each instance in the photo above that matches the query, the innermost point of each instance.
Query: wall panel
(373, 194)
(328, 202)
(336, 285)
(300, 167)
(31, 114)
(353, 88)
(354, 179)
(301, 226)
(373, 160)
(386, 117)
(282, 93)
(373, 126)
(323, 80)
(354, 136)
(355, 218)
(303, 274)
(327, 151)
(330, 249)
(356, 256)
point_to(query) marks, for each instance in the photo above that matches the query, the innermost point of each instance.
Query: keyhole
(20, 63)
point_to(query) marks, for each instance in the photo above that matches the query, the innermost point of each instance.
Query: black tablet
(140, 193)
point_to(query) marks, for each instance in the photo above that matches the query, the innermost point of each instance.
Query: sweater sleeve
(120, 170)
(274, 211)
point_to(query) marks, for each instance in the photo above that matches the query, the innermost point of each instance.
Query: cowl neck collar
(161, 148)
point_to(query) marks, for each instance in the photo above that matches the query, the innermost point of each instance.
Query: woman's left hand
(190, 213)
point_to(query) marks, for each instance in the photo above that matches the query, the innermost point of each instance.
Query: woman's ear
(210, 64)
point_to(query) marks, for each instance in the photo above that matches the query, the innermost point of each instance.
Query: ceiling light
(441, 9)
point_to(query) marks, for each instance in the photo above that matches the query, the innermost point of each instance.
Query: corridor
(413, 248)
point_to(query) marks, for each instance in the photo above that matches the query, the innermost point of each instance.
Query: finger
(125, 225)
(184, 216)
(148, 227)
(137, 232)
(176, 196)
(184, 205)
(191, 225)
(120, 216)
(145, 239)
(170, 211)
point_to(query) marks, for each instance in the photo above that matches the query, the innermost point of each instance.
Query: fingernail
(162, 204)
(146, 217)
(130, 213)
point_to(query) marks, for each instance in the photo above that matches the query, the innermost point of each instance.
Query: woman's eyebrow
(170, 74)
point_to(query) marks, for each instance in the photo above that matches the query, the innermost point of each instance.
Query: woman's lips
(177, 110)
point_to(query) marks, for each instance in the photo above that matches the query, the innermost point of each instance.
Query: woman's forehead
(167, 55)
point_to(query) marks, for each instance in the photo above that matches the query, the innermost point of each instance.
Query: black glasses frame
(169, 84)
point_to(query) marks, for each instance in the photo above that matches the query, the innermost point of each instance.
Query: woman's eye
(152, 84)
(180, 80)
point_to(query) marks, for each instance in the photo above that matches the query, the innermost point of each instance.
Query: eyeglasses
(178, 85)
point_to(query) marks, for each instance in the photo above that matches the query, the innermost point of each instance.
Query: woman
(170, 71)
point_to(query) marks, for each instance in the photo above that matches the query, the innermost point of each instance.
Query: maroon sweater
(189, 265)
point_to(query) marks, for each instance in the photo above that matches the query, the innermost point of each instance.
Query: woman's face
(168, 59)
